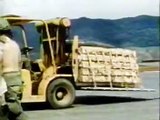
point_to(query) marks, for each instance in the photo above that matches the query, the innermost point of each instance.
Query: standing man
(11, 72)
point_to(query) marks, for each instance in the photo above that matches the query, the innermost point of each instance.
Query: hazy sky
(109, 9)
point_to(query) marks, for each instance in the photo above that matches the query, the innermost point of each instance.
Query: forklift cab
(42, 43)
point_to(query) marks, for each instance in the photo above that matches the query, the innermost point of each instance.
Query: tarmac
(105, 105)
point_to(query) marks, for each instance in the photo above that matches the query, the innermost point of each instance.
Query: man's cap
(4, 24)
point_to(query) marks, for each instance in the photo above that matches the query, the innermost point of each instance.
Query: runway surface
(104, 105)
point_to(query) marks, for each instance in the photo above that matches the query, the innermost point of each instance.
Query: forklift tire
(60, 93)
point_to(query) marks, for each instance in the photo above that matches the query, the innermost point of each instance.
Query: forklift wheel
(60, 93)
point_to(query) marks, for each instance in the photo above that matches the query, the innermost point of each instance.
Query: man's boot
(4, 112)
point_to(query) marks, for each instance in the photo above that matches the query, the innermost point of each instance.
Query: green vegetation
(139, 33)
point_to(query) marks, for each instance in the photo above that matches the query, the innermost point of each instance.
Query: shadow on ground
(95, 100)
(85, 100)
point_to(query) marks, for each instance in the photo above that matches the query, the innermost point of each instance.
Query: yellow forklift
(46, 72)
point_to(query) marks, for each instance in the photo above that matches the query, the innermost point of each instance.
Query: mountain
(140, 31)
(136, 33)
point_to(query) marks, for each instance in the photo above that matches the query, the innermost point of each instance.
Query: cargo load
(114, 67)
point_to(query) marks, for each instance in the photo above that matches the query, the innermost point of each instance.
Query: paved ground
(102, 105)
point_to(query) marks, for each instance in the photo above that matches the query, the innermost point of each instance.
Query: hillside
(140, 31)
(137, 33)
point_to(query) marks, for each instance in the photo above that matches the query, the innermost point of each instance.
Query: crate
(113, 65)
